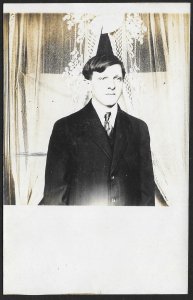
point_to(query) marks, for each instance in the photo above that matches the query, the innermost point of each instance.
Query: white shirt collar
(102, 110)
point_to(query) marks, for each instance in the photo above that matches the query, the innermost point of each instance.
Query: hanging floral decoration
(79, 23)
(135, 30)
(75, 65)
(79, 20)
(135, 27)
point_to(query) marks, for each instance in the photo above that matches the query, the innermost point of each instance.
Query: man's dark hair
(100, 63)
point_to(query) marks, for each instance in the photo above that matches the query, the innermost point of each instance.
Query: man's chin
(110, 102)
(110, 105)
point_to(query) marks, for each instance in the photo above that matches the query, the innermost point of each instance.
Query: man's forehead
(110, 71)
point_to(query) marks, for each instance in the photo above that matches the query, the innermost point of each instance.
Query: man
(100, 155)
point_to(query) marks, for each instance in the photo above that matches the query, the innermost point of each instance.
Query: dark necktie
(106, 123)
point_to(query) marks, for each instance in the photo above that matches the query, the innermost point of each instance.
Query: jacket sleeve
(56, 173)
(146, 168)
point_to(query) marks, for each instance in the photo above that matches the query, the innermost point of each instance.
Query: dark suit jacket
(82, 169)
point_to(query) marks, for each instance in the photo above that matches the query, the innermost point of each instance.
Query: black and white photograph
(96, 147)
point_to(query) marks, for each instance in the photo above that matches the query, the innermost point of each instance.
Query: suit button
(113, 200)
(112, 177)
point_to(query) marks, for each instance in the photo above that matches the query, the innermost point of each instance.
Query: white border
(96, 7)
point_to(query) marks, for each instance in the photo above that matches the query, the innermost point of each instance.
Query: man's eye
(118, 78)
(102, 78)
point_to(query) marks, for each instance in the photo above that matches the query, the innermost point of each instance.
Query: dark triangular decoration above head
(104, 46)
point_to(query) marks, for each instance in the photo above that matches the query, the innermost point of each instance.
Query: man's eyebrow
(103, 77)
(116, 76)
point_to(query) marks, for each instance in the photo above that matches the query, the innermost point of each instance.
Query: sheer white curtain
(40, 47)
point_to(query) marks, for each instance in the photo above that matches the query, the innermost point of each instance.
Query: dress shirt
(102, 110)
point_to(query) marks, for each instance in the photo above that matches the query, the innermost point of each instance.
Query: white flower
(66, 17)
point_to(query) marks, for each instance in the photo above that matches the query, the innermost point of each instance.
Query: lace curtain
(43, 58)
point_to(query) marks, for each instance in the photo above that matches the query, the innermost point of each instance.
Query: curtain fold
(38, 48)
(8, 180)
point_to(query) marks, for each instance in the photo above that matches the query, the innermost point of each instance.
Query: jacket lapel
(95, 131)
(123, 137)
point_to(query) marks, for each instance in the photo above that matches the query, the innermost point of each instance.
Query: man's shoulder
(132, 120)
(71, 119)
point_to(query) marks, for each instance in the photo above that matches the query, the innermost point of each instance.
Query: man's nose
(111, 85)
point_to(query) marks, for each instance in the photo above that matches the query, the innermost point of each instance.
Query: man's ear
(88, 86)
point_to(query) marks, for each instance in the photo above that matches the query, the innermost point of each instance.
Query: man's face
(107, 85)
